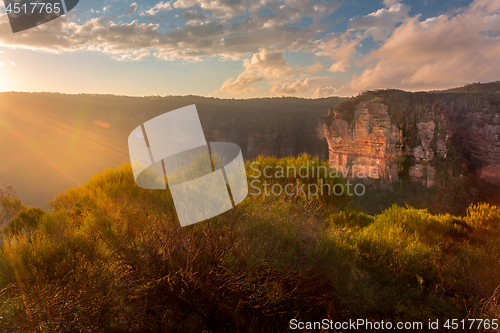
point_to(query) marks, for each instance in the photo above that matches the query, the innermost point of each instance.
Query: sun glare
(2, 86)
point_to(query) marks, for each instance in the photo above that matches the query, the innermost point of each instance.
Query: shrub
(112, 257)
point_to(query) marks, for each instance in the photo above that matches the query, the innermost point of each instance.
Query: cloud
(270, 64)
(325, 91)
(130, 10)
(342, 46)
(242, 84)
(273, 67)
(314, 68)
(338, 46)
(448, 50)
(440, 52)
(221, 8)
(260, 65)
(100, 34)
(290, 10)
(190, 15)
(390, 3)
(201, 36)
(381, 23)
(132, 56)
(6, 63)
(340, 66)
(104, 10)
(321, 86)
(160, 6)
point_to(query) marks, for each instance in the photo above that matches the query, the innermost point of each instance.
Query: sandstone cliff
(369, 144)
(411, 136)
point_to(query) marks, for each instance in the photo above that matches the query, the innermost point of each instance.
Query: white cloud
(242, 84)
(6, 63)
(341, 47)
(382, 22)
(201, 36)
(289, 10)
(131, 9)
(390, 3)
(221, 8)
(338, 46)
(325, 91)
(160, 6)
(448, 50)
(340, 66)
(313, 68)
(260, 65)
(440, 52)
(99, 34)
(304, 85)
(273, 67)
(190, 15)
(270, 64)
(132, 56)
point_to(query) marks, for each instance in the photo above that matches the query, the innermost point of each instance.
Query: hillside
(447, 141)
(482, 88)
(50, 142)
(111, 257)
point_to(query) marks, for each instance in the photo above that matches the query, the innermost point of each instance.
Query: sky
(254, 48)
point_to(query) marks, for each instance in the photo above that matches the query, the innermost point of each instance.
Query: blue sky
(254, 48)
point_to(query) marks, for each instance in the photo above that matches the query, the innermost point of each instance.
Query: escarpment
(419, 137)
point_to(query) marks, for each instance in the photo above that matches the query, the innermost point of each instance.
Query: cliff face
(369, 145)
(279, 134)
(484, 144)
(403, 135)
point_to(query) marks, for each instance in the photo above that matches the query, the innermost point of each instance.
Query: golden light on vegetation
(111, 255)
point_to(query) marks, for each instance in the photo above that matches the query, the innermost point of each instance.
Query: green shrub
(112, 257)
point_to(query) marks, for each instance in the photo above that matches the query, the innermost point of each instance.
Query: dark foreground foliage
(112, 257)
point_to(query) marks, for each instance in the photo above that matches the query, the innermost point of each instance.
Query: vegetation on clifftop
(112, 257)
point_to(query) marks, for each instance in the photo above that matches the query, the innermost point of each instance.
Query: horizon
(249, 98)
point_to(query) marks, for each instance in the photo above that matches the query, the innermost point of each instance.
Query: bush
(112, 257)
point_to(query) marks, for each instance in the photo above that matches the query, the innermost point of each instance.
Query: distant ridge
(488, 88)
(50, 141)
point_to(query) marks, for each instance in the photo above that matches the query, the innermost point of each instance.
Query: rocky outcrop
(410, 136)
(484, 145)
(373, 143)
(389, 150)
(368, 147)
